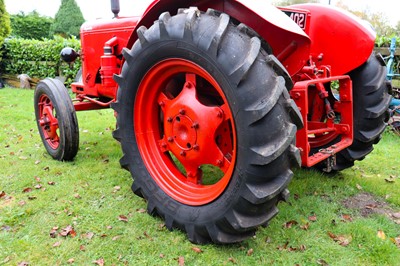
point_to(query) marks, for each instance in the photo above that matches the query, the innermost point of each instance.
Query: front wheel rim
(48, 121)
(183, 124)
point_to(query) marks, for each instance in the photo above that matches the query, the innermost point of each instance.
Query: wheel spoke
(194, 175)
(191, 78)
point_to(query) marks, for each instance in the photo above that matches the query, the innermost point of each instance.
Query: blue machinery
(391, 73)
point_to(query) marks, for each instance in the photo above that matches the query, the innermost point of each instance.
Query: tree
(31, 26)
(68, 19)
(378, 20)
(5, 27)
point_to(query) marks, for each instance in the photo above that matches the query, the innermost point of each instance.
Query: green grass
(86, 195)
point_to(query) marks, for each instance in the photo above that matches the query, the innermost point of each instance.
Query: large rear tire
(56, 119)
(370, 110)
(206, 126)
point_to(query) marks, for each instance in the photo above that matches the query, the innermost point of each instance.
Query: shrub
(39, 59)
(31, 26)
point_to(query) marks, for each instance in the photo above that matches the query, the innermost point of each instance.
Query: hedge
(39, 59)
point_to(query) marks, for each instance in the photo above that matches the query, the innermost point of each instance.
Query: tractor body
(311, 41)
(240, 87)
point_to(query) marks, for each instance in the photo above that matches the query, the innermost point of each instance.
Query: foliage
(84, 212)
(31, 26)
(378, 20)
(39, 58)
(384, 41)
(68, 19)
(4, 24)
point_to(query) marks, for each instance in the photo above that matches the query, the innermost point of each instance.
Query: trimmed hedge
(31, 26)
(39, 59)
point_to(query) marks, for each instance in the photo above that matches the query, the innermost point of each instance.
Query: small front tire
(56, 119)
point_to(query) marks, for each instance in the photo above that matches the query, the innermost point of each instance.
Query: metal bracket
(330, 161)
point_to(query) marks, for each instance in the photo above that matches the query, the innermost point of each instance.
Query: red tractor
(216, 102)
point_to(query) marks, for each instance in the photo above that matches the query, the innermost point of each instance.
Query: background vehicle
(216, 102)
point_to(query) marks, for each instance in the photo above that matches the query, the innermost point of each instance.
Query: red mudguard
(343, 40)
(288, 41)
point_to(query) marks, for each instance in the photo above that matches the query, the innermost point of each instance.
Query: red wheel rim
(48, 121)
(183, 123)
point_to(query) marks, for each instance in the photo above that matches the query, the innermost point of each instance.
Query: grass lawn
(84, 213)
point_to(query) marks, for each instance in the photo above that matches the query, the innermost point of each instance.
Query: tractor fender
(344, 40)
(289, 43)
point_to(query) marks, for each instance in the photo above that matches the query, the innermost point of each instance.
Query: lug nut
(195, 125)
(196, 147)
(170, 139)
(169, 119)
(183, 153)
(182, 111)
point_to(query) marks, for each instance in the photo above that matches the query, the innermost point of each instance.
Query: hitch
(323, 133)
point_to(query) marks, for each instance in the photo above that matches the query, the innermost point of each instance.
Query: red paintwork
(317, 133)
(260, 15)
(48, 122)
(344, 40)
(177, 124)
(94, 36)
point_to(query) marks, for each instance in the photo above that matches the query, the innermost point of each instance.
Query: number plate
(298, 17)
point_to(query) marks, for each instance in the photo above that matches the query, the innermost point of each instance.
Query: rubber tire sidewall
(66, 117)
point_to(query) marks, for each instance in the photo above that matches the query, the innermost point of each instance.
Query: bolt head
(195, 125)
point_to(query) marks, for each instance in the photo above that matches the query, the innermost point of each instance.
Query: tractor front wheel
(56, 119)
(206, 126)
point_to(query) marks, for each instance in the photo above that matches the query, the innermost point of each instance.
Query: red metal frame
(328, 129)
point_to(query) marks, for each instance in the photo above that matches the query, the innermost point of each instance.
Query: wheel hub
(184, 132)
